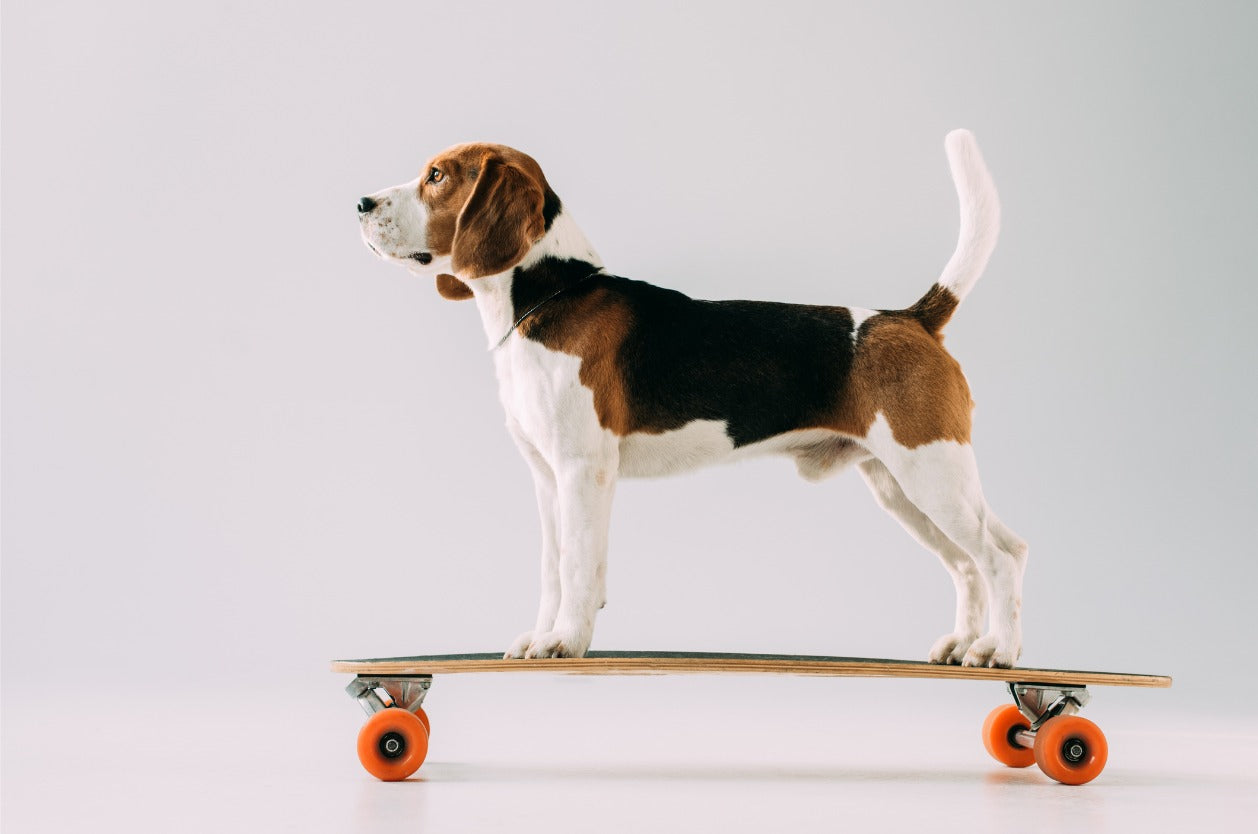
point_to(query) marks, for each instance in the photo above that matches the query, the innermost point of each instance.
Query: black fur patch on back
(550, 207)
(762, 367)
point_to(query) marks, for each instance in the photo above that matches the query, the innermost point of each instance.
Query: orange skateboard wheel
(998, 730)
(392, 744)
(1071, 749)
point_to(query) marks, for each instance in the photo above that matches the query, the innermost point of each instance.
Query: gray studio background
(236, 444)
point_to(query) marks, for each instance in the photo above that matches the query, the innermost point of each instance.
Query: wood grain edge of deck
(667, 666)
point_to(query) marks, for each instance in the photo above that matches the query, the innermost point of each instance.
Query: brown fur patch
(592, 326)
(934, 308)
(500, 222)
(452, 288)
(487, 210)
(904, 372)
(444, 200)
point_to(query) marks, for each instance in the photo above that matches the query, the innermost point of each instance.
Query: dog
(603, 377)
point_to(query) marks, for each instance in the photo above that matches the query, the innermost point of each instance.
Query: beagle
(603, 377)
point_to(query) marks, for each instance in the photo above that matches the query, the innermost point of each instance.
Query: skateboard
(1040, 726)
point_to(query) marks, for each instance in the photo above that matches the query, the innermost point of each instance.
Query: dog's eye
(435, 176)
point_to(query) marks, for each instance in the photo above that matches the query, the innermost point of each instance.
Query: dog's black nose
(365, 205)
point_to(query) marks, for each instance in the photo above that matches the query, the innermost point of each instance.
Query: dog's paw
(989, 651)
(951, 648)
(558, 643)
(519, 646)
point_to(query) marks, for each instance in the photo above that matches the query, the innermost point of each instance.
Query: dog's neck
(562, 257)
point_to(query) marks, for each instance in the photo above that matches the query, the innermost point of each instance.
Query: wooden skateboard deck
(1039, 727)
(661, 663)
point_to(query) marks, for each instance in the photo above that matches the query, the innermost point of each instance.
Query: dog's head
(474, 210)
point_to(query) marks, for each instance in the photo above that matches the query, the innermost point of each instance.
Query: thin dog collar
(539, 305)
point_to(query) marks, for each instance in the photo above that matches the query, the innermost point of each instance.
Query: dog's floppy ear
(452, 288)
(499, 222)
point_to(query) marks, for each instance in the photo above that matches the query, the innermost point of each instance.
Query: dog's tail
(980, 226)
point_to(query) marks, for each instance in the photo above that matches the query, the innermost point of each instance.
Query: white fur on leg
(971, 610)
(941, 480)
(546, 489)
(1012, 550)
(586, 488)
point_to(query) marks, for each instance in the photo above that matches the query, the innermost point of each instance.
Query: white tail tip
(980, 213)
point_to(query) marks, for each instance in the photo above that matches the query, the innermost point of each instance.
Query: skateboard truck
(378, 694)
(1039, 702)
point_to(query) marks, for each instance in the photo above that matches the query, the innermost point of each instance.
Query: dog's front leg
(586, 485)
(548, 511)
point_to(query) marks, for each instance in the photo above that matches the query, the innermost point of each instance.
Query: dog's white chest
(546, 403)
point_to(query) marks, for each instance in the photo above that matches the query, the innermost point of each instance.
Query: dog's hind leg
(971, 611)
(941, 479)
